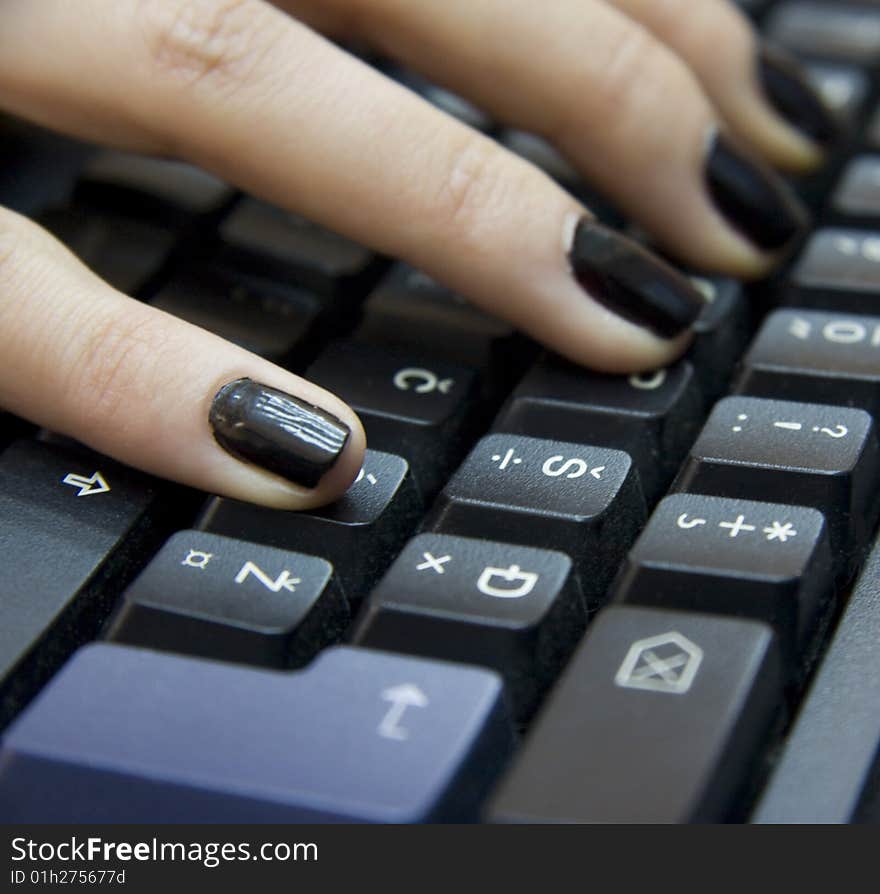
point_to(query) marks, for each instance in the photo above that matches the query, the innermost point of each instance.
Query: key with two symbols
(583, 500)
(234, 601)
(815, 357)
(839, 271)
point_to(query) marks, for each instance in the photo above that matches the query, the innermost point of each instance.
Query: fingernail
(792, 95)
(279, 432)
(630, 281)
(753, 199)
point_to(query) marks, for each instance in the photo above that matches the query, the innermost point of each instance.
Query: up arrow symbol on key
(87, 486)
(401, 697)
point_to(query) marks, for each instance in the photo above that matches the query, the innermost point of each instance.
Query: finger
(618, 102)
(761, 92)
(157, 393)
(246, 92)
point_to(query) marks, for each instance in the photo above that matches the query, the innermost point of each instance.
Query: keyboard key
(270, 241)
(722, 332)
(828, 763)
(842, 32)
(233, 601)
(792, 453)
(161, 190)
(585, 501)
(127, 253)
(734, 557)
(129, 735)
(844, 88)
(511, 608)
(808, 356)
(421, 409)
(276, 321)
(411, 312)
(71, 529)
(657, 719)
(857, 197)
(359, 534)
(654, 417)
(839, 271)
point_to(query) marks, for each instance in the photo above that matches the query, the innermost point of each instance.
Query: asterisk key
(780, 532)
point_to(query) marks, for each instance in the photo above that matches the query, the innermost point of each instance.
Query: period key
(658, 718)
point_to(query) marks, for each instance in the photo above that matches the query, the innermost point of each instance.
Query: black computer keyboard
(550, 596)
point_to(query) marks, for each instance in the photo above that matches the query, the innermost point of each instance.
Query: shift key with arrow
(64, 557)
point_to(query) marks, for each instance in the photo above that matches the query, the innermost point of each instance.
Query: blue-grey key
(129, 735)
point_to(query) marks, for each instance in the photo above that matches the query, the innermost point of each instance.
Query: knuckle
(637, 77)
(472, 188)
(193, 41)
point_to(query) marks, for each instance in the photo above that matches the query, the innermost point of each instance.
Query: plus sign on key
(767, 561)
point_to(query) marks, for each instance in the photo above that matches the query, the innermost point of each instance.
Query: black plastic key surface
(801, 454)
(583, 500)
(810, 356)
(721, 334)
(70, 526)
(844, 88)
(126, 253)
(658, 718)
(359, 534)
(512, 608)
(734, 557)
(857, 197)
(270, 241)
(234, 601)
(838, 271)
(422, 409)
(410, 311)
(828, 765)
(271, 319)
(654, 417)
(835, 31)
(171, 193)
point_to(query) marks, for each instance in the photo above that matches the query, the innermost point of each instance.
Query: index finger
(241, 89)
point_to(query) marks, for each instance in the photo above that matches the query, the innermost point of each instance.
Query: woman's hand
(663, 104)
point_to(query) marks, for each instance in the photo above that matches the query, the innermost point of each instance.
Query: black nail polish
(794, 97)
(277, 431)
(754, 199)
(633, 283)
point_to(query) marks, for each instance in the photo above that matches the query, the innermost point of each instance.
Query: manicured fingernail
(789, 91)
(279, 432)
(630, 281)
(754, 200)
